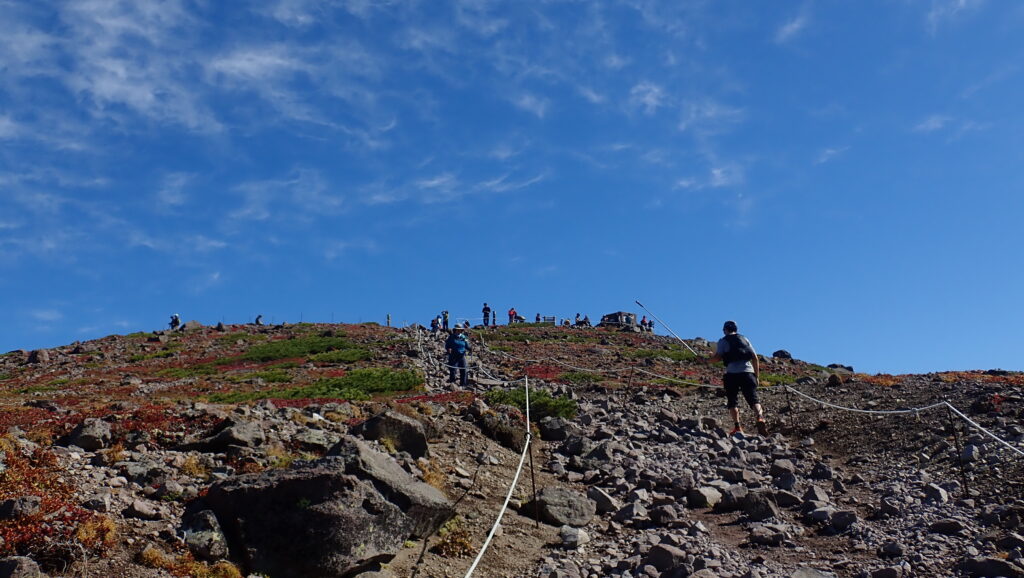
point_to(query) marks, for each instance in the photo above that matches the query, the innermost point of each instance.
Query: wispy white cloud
(933, 123)
(591, 95)
(202, 283)
(829, 154)
(46, 315)
(477, 16)
(304, 195)
(647, 96)
(338, 248)
(943, 11)
(535, 105)
(172, 192)
(726, 175)
(719, 175)
(791, 28)
(506, 183)
(709, 117)
(8, 128)
(615, 62)
(204, 244)
(128, 53)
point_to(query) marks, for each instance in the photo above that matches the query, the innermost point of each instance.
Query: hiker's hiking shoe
(736, 430)
(762, 427)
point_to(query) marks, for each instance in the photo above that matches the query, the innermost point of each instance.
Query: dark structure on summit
(620, 319)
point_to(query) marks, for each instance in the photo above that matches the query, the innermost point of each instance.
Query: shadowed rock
(406, 433)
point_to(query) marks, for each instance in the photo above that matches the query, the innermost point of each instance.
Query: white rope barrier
(983, 430)
(870, 411)
(508, 498)
(511, 488)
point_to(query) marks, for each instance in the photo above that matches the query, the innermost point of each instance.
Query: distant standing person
(457, 346)
(487, 314)
(259, 319)
(444, 320)
(512, 315)
(742, 374)
(175, 322)
(494, 318)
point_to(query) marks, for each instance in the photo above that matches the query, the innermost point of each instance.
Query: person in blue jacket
(457, 346)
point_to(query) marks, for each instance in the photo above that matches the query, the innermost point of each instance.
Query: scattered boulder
(603, 501)
(504, 430)
(91, 435)
(782, 354)
(553, 428)
(572, 537)
(424, 504)
(405, 433)
(204, 537)
(947, 527)
(703, 497)
(935, 493)
(20, 567)
(985, 567)
(232, 432)
(17, 508)
(760, 506)
(563, 507)
(39, 356)
(665, 557)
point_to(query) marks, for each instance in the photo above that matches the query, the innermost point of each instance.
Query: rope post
(959, 450)
(529, 444)
(685, 344)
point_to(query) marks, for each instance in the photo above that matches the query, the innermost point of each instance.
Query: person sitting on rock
(457, 346)
(259, 320)
(742, 374)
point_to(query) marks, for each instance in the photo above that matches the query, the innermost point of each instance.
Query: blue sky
(844, 179)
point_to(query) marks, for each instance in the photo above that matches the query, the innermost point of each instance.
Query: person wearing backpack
(742, 374)
(457, 346)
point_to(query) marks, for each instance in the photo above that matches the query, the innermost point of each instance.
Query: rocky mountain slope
(341, 450)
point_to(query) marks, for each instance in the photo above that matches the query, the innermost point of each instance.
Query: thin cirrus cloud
(791, 29)
(933, 123)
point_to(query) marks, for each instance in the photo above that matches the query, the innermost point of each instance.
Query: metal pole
(959, 450)
(529, 443)
(666, 327)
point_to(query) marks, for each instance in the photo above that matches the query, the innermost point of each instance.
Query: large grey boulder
(232, 432)
(405, 433)
(563, 507)
(19, 567)
(760, 506)
(204, 537)
(91, 435)
(603, 500)
(982, 567)
(703, 497)
(21, 507)
(504, 430)
(424, 504)
(553, 428)
(311, 520)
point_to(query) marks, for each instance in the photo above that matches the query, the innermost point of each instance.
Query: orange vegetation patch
(50, 535)
(1009, 379)
(883, 379)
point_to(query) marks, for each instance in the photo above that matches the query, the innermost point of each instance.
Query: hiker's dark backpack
(738, 349)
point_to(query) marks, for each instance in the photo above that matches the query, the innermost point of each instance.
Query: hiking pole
(666, 327)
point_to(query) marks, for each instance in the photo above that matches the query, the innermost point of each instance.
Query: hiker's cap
(729, 326)
(459, 328)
